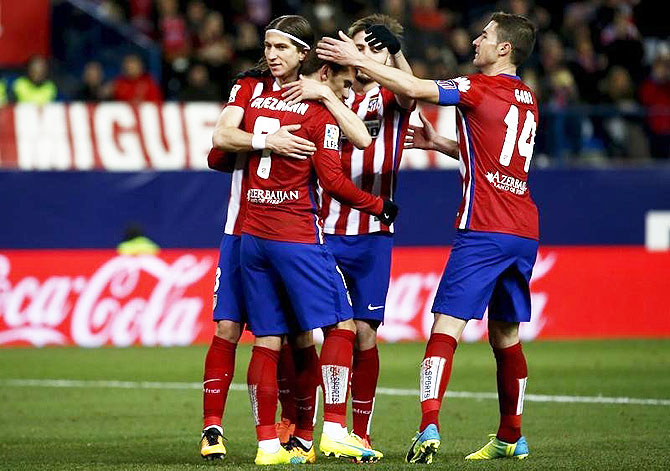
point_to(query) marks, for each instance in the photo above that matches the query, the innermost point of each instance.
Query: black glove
(389, 213)
(380, 37)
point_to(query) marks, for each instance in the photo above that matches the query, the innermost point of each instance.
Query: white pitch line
(76, 383)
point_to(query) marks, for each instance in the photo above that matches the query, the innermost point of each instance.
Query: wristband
(258, 141)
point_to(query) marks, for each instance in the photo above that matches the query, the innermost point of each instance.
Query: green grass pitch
(89, 426)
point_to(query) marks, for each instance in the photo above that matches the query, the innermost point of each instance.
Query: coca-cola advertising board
(94, 298)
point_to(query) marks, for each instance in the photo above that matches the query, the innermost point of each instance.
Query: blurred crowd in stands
(601, 68)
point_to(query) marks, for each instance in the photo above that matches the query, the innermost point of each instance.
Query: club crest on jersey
(331, 138)
(373, 104)
(507, 183)
(233, 93)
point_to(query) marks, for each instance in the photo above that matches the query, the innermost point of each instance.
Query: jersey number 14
(526, 138)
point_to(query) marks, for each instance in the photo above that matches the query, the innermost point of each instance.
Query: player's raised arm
(343, 51)
(380, 37)
(351, 125)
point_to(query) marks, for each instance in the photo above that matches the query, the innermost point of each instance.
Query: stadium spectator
(135, 242)
(655, 95)
(174, 37)
(196, 13)
(93, 86)
(325, 17)
(588, 68)
(140, 15)
(214, 48)
(35, 87)
(625, 134)
(199, 87)
(3, 92)
(622, 43)
(247, 44)
(135, 85)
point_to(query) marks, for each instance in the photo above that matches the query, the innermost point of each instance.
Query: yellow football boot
(211, 444)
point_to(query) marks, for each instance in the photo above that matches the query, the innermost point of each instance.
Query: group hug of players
(313, 136)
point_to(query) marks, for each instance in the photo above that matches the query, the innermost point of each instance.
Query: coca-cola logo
(127, 300)
(409, 303)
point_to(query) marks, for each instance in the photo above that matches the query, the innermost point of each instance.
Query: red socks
(262, 384)
(306, 384)
(286, 381)
(512, 375)
(336, 356)
(364, 376)
(219, 369)
(435, 373)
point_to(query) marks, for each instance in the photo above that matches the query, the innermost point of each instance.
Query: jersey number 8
(265, 125)
(526, 139)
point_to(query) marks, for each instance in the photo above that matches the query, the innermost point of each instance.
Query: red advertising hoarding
(24, 30)
(94, 298)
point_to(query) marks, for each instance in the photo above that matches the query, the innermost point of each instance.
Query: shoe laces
(212, 435)
(293, 442)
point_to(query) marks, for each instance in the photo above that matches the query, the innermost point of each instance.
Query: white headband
(290, 36)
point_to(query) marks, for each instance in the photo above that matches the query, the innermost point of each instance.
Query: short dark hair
(312, 63)
(519, 31)
(377, 19)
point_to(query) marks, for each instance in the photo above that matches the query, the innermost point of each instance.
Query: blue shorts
(291, 287)
(487, 268)
(365, 261)
(228, 292)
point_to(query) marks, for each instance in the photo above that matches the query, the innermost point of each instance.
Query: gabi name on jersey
(279, 105)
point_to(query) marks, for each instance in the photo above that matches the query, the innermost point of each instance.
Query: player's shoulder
(318, 112)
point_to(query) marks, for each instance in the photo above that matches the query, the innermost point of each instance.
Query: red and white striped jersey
(373, 169)
(240, 95)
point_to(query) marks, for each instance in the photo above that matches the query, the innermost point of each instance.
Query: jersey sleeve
(390, 102)
(221, 160)
(325, 134)
(466, 92)
(241, 92)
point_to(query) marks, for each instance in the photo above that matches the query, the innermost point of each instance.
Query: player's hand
(380, 37)
(342, 51)
(284, 143)
(389, 213)
(304, 89)
(421, 137)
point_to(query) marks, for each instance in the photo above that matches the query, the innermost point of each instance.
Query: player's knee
(229, 331)
(366, 334)
(302, 340)
(503, 334)
(349, 324)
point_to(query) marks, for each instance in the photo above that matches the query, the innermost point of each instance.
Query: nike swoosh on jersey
(374, 308)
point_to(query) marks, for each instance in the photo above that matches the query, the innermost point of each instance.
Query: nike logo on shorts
(374, 308)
